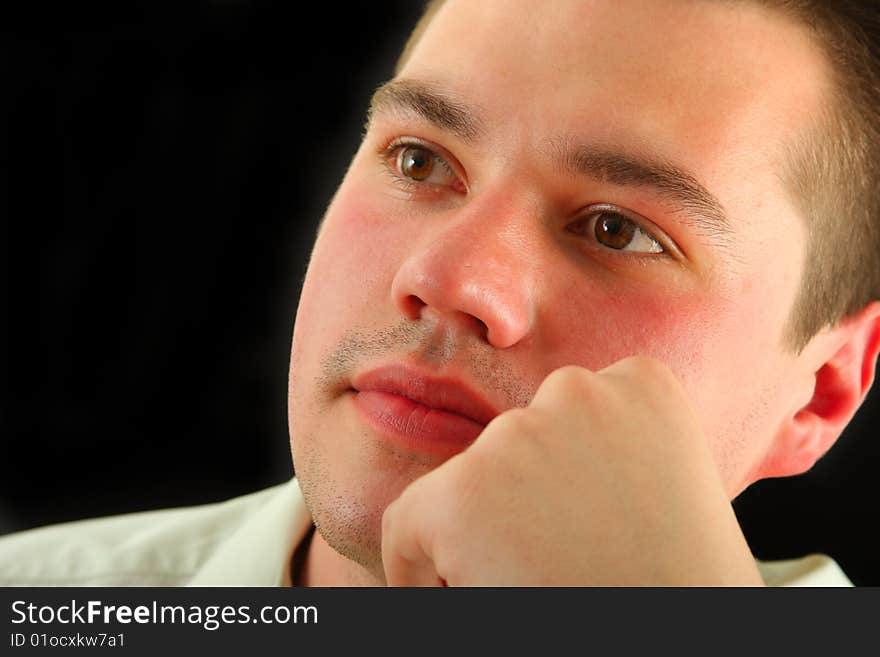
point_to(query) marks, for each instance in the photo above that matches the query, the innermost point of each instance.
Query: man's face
(603, 180)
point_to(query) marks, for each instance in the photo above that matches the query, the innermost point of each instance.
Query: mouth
(439, 415)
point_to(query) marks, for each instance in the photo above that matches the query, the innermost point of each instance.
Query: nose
(472, 269)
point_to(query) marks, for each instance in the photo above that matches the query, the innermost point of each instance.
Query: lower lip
(416, 426)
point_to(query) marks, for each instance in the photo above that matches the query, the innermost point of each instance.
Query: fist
(604, 479)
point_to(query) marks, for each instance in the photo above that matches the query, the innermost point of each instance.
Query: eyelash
(669, 248)
(390, 153)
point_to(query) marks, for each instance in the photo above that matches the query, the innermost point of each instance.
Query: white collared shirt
(245, 541)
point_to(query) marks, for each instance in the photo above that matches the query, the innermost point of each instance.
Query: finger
(405, 558)
(569, 384)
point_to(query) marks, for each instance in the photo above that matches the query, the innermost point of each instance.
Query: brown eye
(614, 231)
(415, 162)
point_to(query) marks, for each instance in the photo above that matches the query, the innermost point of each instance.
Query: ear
(845, 365)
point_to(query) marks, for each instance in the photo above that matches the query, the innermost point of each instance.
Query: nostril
(484, 328)
(413, 306)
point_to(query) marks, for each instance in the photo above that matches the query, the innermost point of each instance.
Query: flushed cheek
(600, 327)
(361, 233)
(721, 344)
(700, 338)
(351, 270)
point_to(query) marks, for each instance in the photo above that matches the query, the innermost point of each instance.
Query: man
(595, 269)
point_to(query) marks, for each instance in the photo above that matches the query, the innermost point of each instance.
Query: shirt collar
(258, 552)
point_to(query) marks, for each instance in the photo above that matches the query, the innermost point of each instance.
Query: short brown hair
(833, 173)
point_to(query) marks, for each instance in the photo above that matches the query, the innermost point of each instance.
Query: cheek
(601, 326)
(707, 340)
(353, 247)
(723, 347)
(350, 270)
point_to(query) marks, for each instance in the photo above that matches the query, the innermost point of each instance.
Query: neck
(324, 566)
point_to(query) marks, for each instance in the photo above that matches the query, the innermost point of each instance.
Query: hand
(604, 479)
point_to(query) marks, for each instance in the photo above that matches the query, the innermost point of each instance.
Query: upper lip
(442, 393)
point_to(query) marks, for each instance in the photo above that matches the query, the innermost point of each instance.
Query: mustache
(434, 348)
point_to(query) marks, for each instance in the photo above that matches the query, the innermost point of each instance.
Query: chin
(353, 529)
(348, 498)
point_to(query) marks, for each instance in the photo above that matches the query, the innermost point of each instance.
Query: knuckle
(569, 379)
(649, 364)
(656, 383)
(660, 374)
(644, 368)
(514, 433)
(518, 420)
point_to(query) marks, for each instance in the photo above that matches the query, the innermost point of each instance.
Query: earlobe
(842, 381)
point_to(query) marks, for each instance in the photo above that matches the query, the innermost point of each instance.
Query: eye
(418, 164)
(415, 162)
(614, 230)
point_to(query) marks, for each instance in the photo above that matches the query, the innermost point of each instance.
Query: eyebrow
(671, 182)
(429, 102)
(702, 210)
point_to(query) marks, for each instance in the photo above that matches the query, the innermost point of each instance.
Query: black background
(169, 163)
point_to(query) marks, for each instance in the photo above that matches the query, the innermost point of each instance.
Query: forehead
(722, 87)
